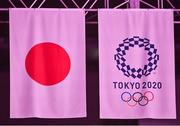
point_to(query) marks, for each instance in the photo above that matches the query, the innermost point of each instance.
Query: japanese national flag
(47, 55)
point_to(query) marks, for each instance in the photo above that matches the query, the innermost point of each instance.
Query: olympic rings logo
(121, 61)
(137, 98)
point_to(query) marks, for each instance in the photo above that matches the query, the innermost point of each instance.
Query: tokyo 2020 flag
(136, 60)
(47, 55)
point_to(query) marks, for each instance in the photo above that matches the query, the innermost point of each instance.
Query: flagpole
(7, 9)
(4, 9)
(89, 10)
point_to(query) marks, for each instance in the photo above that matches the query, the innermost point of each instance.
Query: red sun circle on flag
(47, 63)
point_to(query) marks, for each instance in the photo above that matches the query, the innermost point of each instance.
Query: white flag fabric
(47, 55)
(136, 60)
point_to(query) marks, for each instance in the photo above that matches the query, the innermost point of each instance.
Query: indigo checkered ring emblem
(140, 42)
